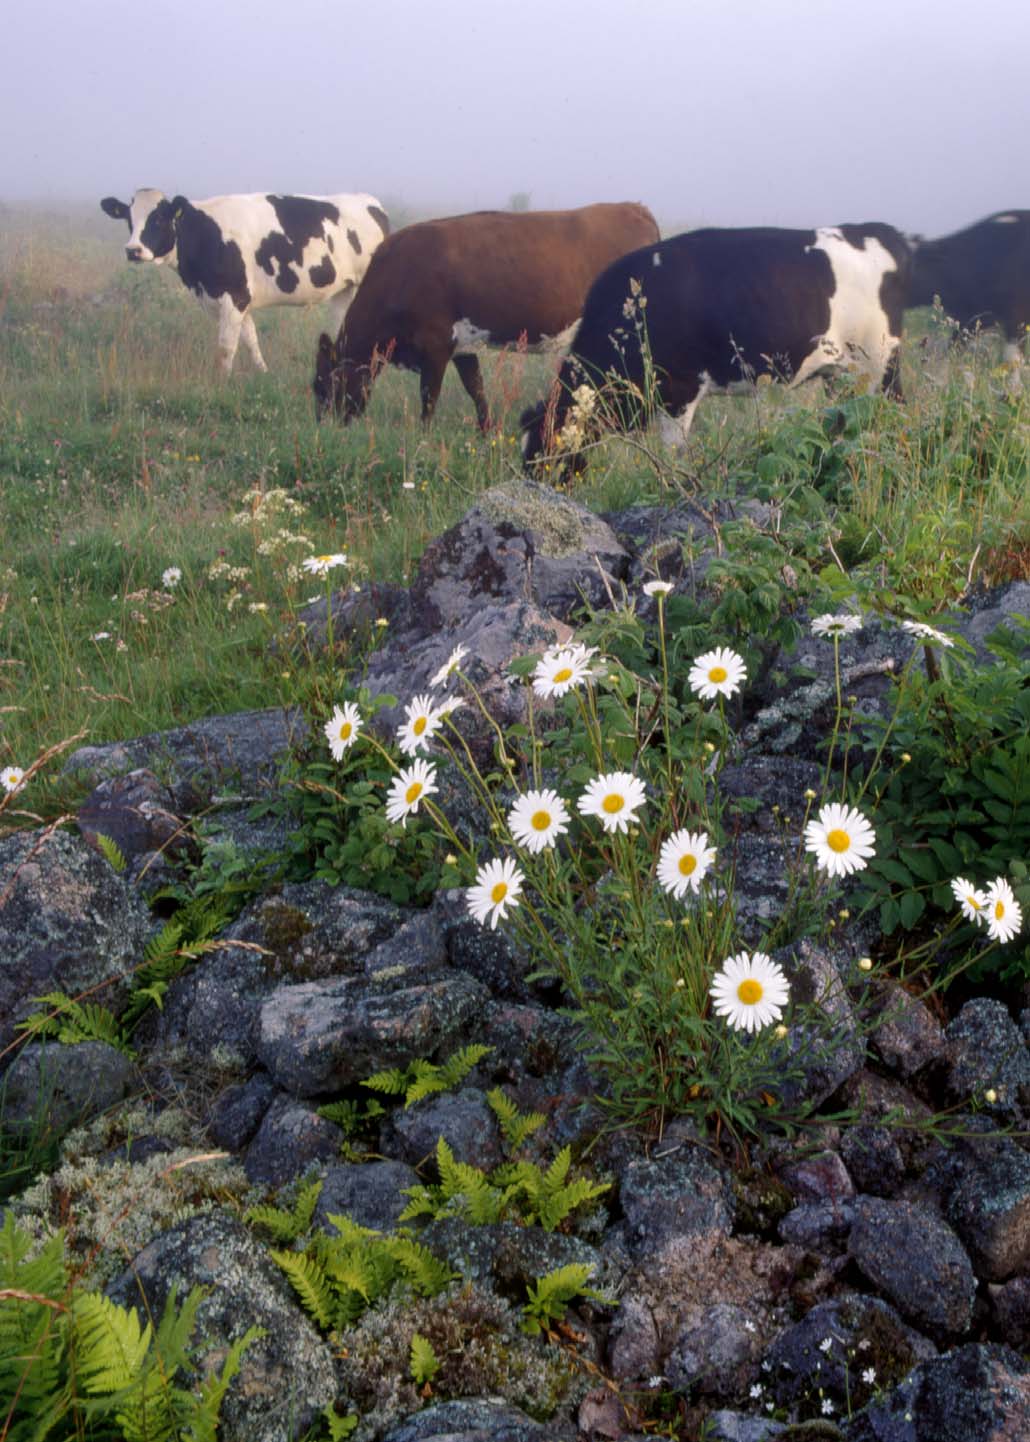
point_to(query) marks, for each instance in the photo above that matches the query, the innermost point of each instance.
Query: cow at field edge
(444, 290)
(982, 275)
(239, 253)
(704, 311)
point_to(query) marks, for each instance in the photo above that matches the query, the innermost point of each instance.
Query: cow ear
(178, 205)
(116, 209)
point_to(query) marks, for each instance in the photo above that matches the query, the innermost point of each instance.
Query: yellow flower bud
(865, 963)
(990, 1095)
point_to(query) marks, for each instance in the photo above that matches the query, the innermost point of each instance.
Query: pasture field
(123, 453)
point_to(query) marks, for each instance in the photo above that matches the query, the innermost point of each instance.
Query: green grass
(124, 452)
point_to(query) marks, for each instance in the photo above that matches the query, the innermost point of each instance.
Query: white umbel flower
(538, 819)
(11, 778)
(558, 671)
(408, 788)
(923, 632)
(750, 991)
(322, 565)
(842, 840)
(1004, 913)
(341, 730)
(717, 673)
(683, 861)
(829, 625)
(451, 665)
(498, 886)
(614, 799)
(421, 722)
(970, 898)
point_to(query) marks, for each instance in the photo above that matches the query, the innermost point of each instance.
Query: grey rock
(1010, 1309)
(821, 1056)
(986, 1198)
(241, 753)
(872, 1147)
(761, 888)
(994, 608)
(874, 1158)
(727, 1426)
(977, 1393)
(418, 947)
(914, 1257)
(135, 812)
(633, 1341)
(675, 1196)
(478, 1420)
(506, 1253)
(822, 1177)
(493, 957)
(287, 1376)
(290, 1138)
(355, 613)
(68, 922)
(318, 1037)
(716, 1354)
(463, 1119)
(985, 1050)
(529, 1041)
(907, 1035)
(65, 1084)
(819, 1226)
(779, 783)
(237, 1112)
(370, 1193)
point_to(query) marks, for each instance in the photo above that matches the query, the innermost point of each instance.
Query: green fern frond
(392, 1082)
(423, 1363)
(425, 1272)
(110, 1344)
(203, 1426)
(549, 1297)
(554, 1177)
(287, 1226)
(111, 851)
(310, 1282)
(515, 1126)
(552, 1210)
(340, 1428)
(457, 1066)
(73, 1021)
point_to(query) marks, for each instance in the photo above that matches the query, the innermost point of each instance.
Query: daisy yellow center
(565, 674)
(612, 803)
(973, 902)
(413, 792)
(750, 991)
(323, 560)
(687, 865)
(345, 731)
(499, 892)
(838, 840)
(718, 673)
(419, 726)
(999, 910)
(540, 820)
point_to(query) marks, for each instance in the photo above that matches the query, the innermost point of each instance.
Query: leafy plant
(73, 1021)
(516, 1127)
(551, 1295)
(425, 1078)
(112, 852)
(424, 1362)
(287, 1226)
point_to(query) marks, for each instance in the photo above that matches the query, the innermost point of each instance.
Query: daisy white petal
(1004, 913)
(497, 888)
(972, 901)
(614, 799)
(717, 673)
(171, 578)
(538, 819)
(829, 625)
(408, 788)
(421, 722)
(322, 565)
(447, 705)
(683, 861)
(842, 840)
(451, 665)
(657, 588)
(750, 991)
(559, 671)
(341, 730)
(924, 632)
(11, 778)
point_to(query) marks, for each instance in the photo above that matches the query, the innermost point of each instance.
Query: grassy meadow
(124, 452)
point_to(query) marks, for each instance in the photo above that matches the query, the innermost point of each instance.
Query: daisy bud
(865, 963)
(780, 1033)
(905, 758)
(990, 1096)
(450, 859)
(809, 794)
(844, 914)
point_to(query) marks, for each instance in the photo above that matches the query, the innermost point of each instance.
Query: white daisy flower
(657, 588)
(972, 901)
(451, 665)
(100, 636)
(926, 633)
(341, 730)
(421, 722)
(558, 671)
(322, 565)
(171, 578)
(829, 625)
(408, 788)
(614, 799)
(683, 861)
(11, 778)
(447, 705)
(538, 819)
(750, 991)
(1004, 913)
(497, 888)
(717, 673)
(841, 838)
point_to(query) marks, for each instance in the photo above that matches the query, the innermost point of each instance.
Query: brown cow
(444, 289)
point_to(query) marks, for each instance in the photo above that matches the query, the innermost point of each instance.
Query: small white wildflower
(1004, 913)
(869, 1376)
(420, 725)
(972, 901)
(498, 885)
(841, 838)
(448, 668)
(826, 1344)
(683, 861)
(827, 1408)
(923, 632)
(342, 728)
(756, 1390)
(171, 578)
(614, 799)
(717, 673)
(750, 991)
(657, 588)
(829, 625)
(322, 565)
(408, 788)
(11, 778)
(538, 819)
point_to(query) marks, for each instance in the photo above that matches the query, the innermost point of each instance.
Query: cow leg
(891, 384)
(431, 370)
(675, 430)
(467, 367)
(230, 324)
(248, 331)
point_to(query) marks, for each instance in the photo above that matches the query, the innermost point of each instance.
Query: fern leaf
(309, 1281)
(515, 1126)
(392, 1082)
(425, 1272)
(556, 1173)
(110, 1344)
(423, 1363)
(426, 1084)
(457, 1066)
(554, 1209)
(340, 1428)
(281, 1224)
(351, 1270)
(111, 851)
(203, 1424)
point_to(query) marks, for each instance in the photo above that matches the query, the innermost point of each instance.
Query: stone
(986, 1198)
(907, 1035)
(62, 1084)
(724, 1426)
(633, 1342)
(915, 1258)
(874, 1158)
(977, 1393)
(822, 1177)
(237, 1112)
(290, 1138)
(717, 1354)
(370, 1193)
(477, 1420)
(1010, 1308)
(674, 1196)
(463, 1119)
(820, 1226)
(985, 1050)
(827, 1054)
(135, 812)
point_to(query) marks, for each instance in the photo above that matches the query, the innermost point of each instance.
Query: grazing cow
(445, 289)
(706, 310)
(982, 275)
(238, 253)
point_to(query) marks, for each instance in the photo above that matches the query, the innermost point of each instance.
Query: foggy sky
(727, 112)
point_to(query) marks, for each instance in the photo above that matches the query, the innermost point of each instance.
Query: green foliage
(73, 1360)
(112, 852)
(287, 1226)
(67, 1020)
(424, 1078)
(514, 1189)
(424, 1363)
(351, 1116)
(551, 1295)
(516, 1127)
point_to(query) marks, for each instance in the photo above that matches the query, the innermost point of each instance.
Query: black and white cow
(238, 253)
(981, 275)
(704, 311)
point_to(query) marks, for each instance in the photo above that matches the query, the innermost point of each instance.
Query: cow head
(340, 384)
(326, 385)
(151, 221)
